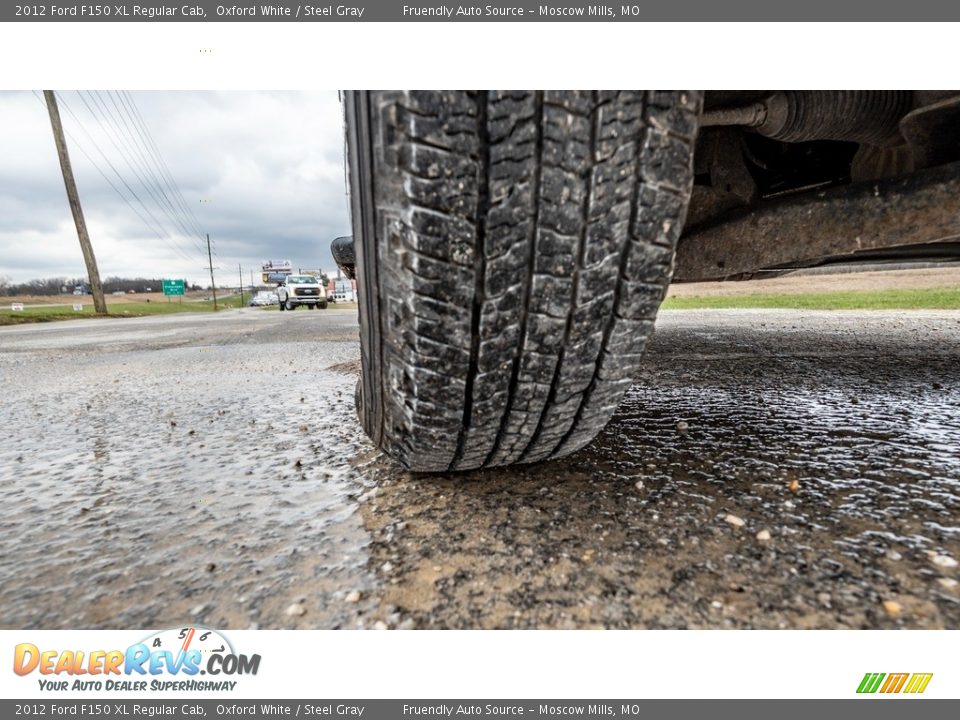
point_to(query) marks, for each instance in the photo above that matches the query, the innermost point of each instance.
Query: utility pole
(93, 274)
(240, 270)
(212, 283)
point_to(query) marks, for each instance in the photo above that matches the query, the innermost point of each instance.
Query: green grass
(919, 299)
(121, 309)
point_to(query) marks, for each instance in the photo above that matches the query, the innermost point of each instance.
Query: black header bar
(504, 11)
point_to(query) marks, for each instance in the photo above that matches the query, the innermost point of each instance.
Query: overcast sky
(262, 172)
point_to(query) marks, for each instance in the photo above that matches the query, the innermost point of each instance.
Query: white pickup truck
(298, 290)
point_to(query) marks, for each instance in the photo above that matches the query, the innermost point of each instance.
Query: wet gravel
(768, 469)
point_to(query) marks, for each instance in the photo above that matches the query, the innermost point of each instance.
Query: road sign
(172, 287)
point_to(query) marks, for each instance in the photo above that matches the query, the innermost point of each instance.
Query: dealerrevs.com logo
(888, 683)
(169, 660)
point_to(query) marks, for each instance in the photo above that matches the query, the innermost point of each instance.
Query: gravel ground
(769, 469)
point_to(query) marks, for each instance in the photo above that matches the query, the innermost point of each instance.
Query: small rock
(296, 610)
(199, 610)
(947, 583)
(353, 596)
(944, 561)
(716, 604)
(794, 486)
(387, 567)
(380, 625)
(825, 599)
(763, 535)
(892, 607)
(639, 485)
(734, 520)
(893, 555)
(682, 427)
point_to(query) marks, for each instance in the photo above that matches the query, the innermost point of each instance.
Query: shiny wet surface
(768, 469)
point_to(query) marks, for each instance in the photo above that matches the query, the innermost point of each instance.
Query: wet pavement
(769, 469)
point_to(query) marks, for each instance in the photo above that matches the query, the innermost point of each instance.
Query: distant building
(342, 290)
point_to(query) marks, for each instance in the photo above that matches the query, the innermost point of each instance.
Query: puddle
(219, 475)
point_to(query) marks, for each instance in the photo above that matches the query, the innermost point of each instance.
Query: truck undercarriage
(797, 178)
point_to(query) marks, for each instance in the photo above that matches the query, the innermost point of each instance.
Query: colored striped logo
(913, 683)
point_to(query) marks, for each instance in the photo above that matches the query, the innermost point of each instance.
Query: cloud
(262, 172)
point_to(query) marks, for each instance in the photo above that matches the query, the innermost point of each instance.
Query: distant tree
(55, 285)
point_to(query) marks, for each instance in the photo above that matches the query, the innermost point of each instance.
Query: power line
(120, 121)
(148, 160)
(102, 116)
(163, 165)
(127, 102)
(157, 225)
(177, 214)
(130, 164)
(152, 226)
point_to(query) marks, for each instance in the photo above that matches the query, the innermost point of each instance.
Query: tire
(323, 306)
(290, 306)
(512, 251)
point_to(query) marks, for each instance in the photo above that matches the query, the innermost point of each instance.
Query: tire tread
(524, 242)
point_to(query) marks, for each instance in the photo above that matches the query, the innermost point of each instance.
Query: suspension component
(870, 117)
(917, 209)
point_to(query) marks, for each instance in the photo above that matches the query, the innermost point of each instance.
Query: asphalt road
(768, 470)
